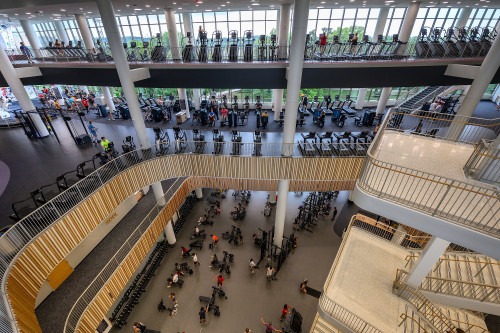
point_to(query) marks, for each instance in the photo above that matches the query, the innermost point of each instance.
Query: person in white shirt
(174, 279)
(252, 265)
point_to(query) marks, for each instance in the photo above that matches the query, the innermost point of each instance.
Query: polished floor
(250, 297)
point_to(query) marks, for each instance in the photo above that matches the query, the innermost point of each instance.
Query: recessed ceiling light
(256, 4)
(175, 3)
(81, 8)
(272, 6)
(16, 14)
(322, 1)
(63, 10)
(223, 5)
(28, 13)
(200, 2)
(228, 2)
(137, 8)
(89, 12)
(118, 10)
(208, 10)
(147, 6)
(127, 5)
(351, 0)
(196, 5)
(391, 1)
(56, 14)
(179, 8)
(320, 7)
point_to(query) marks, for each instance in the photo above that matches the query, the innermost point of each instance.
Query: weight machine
(276, 254)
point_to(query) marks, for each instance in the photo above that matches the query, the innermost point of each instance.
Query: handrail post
(443, 197)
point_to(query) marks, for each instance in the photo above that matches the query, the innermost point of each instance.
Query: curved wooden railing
(35, 246)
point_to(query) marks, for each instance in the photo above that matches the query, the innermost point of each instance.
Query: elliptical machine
(262, 48)
(217, 46)
(199, 142)
(236, 140)
(180, 140)
(248, 51)
(233, 46)
(187, 51)
(273, 54)
(257, 144)
(218, 142)
(202, 47)
(162, 141)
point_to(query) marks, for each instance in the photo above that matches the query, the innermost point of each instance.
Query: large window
(46, 32)
(72, 31)
(483, 18)
(431, 18)
(260, 22)
(342, 22)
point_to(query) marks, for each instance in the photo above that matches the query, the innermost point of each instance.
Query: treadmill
(435, 46)
(422, 49)
(449, 44)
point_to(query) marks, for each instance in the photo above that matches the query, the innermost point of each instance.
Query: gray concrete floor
(249, 296)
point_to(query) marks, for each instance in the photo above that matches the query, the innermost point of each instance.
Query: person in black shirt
(203, 314)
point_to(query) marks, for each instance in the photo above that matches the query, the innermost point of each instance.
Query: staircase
(419, 99)
(413, 322)
(468, 280)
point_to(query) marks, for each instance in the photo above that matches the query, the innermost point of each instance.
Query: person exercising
(354, 43)
(211, 116)
(93, 131)
(105, 146)
(269, 326)
(265, 118)
(322, 43)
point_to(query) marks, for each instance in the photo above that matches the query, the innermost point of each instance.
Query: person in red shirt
(220, 280)
(86, 104)
(322, 43)
(285, 311)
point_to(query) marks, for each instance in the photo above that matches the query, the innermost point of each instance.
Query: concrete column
(381, 20)
(159, 194)
(382, 101)
(426, 260)
(85, 31)
(123, 69)
(169, 232)
(284, 27)
(409, 21)
(272, 197)
(172, 34)
(279, 223)
(401, 231)
(175, 217)
(183, 95)
(199, 193)
(477, 89)
(14, 82)
(63, 36)
(360, 101)
(464, 17)
(297, 48)
(32, 37)
(108, 99)
(196, 98)
(188, 24)
(278, 103)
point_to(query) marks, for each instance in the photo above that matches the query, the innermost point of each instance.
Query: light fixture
(256, 4)
(28, 13)
(89, 12)
(208, 10)
(179, 8)
(352, 0)
(137, 8)
(127, 5)
(56, 14)
(228, 2)
(200, 2)
(147, 6)
(174, 3)
(81, 8)
(223, 5)
(336, 3)
(196, 5)
(320, 7)
(445, 1)
(16, 14)
(63, 10)
(272, 6)
(322, 1)
(118, 10)
(389, 1)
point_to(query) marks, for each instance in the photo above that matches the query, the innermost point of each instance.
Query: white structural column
(381, 20)
(382, 101)
(477, 89)
(188, 24)
(278, 103)
(433, 250)
(172, 33)
(32, 37)
(360, 101)
(199, 193)
(284, 27)
(408, 23)
(169, 232)
(297, 47)
(464, 17)
(14, 82)
(122, 67)
(108, 99)
(196, 98)
(85, 31)
(183, 95)
(63, 36)
(272, 197)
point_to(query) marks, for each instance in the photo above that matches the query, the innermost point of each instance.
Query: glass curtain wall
(372, 94)
(72, 31)
(483, 18)
(260, 22)
(46, 32)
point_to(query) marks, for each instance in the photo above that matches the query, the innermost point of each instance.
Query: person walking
(334, 213)
(93, 132)
(195, 260)
(252, 265)
(173, 298)
(26, 51)
(269, 272)
(269, 326)
(220, 280)
(286, 309)
(203, 315)
(139, 327)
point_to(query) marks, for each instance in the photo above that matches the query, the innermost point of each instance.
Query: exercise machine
(162, 141)
(180, 138)
(188, 51)
(218, 140)
(236, 140)
(273, 54)
(257, 144)
(159, 53)
(217, 46)
(307, 146)
(202, 47)
(233, 46)
(248, 49)
(199, 142)
(262, 49)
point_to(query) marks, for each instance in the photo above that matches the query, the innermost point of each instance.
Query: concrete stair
(322, 326)
(465, 280)
(413, 322)
(466, 320)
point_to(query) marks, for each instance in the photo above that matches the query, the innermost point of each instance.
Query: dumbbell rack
(131, 297)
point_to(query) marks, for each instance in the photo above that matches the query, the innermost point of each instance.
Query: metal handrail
(463, 322)
(25, 231)
(442, 324)
(383, 179)
(345, 316)
(406, 317)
